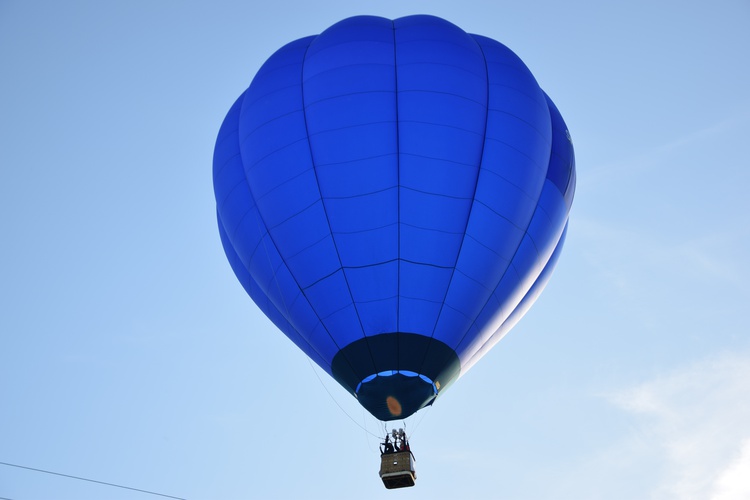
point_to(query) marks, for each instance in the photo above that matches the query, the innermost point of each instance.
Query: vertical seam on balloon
(398, 197)
(515, 252)
(470, 362)
(270, 304)
(538, 209)
(471, 208)
(286, 317)
(328, 220)
(275, 271)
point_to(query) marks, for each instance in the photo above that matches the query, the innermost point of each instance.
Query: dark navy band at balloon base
(395, 374)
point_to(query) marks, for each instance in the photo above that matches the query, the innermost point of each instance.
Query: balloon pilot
(387, 446)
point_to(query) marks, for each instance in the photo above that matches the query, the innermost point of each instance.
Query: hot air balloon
(393, 195)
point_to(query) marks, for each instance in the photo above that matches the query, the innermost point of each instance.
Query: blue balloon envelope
(393, 194)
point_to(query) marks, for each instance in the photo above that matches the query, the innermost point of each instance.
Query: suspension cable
(337, 403)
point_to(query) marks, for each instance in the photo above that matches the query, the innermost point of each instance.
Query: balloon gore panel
(394, 196)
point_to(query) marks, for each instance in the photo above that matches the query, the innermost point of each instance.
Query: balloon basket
(397, 470)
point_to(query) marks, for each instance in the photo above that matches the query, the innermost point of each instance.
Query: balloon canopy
(393, 195)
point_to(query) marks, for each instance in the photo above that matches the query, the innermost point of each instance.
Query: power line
(91, 480)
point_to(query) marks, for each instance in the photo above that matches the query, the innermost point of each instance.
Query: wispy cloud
(636, 263)
(674, 211)
(733, 483)
(663, 155)
(696, 421)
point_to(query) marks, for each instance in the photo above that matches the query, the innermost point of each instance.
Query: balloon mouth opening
(390, 373)
(396, 394)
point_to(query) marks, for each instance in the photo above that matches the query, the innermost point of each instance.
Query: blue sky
(129, 353)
